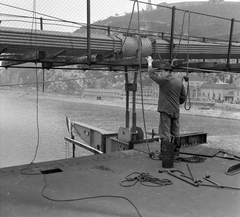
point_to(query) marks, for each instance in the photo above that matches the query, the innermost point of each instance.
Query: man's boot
(177, 146)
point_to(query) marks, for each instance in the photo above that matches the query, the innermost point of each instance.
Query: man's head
(165, 69)
(165, 66)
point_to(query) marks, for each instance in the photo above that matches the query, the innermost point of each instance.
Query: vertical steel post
(127, 98)
(230, 43)
(43, 73)
(153, 133)
(172, 34)
(41, 23)
(134, 114)
(88, 32)
(43, 78)
(73, 146)
(204, 41)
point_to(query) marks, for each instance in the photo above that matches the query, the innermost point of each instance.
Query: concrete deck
(100, 175)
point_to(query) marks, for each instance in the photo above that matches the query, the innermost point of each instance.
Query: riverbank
(195, 110)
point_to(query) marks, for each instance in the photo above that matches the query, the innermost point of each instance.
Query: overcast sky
(75, 10)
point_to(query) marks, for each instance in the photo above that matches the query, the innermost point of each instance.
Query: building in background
(237, 95)
(195, 83)
(219, 92)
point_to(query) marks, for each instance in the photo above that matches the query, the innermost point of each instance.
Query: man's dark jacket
(171, 93)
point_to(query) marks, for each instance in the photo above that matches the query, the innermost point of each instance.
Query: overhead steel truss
(53, 49)
(116, 52)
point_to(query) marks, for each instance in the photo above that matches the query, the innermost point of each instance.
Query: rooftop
(225, 86)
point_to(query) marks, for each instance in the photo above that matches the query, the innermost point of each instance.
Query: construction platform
(35, 190)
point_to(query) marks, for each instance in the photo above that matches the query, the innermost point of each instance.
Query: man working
(171, 95)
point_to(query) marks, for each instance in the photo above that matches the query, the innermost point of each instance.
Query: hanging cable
(181, 35)
(188, 100)
(185, 78)
(140, 70)
(37, 96)
(129, 24)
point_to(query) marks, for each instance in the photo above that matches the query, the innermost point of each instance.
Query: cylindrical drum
(167, 149)
(131, 46)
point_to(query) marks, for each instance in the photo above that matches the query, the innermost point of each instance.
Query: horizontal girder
(18, 46)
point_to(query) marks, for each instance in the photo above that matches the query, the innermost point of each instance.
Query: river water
(23, 115)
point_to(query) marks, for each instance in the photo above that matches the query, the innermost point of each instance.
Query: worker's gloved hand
(149, 60)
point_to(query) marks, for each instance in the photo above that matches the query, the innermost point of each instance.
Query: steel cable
(143, 179)
(188, 88)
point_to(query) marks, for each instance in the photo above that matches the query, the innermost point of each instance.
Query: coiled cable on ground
(144, 179)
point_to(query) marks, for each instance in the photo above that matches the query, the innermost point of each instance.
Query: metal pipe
(127, 99)
(220, 186)
(185, 180)
(209, 180)
(134, 114)
(191, 174)
(82, 145)
(43, 74)
(18, 42)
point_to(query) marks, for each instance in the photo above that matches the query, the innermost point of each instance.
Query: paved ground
(90, 186)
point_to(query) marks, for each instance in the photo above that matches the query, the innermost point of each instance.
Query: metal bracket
(131, 87)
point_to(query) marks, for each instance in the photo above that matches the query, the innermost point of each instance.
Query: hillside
(159, 20)
(227, 9)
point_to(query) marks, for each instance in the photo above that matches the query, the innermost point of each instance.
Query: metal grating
(200, 150)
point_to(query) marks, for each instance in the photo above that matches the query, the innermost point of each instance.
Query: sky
(74, 10)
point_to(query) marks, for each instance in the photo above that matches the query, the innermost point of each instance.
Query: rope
(187, 78)
(37, 98)
(144, 179)
(140, 70)
(194, 159)
(181, 35)
(129, 24)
